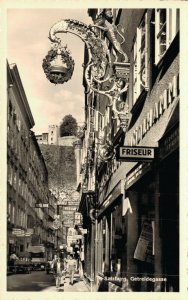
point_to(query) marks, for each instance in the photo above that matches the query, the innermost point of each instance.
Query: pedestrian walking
(82, 261)
(59, 272)
(71, 265)
(13, 257)
(11, 263)
(77, 254)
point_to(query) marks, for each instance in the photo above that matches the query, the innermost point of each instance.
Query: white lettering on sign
(41, 205)
(73, 208)
(136, 152)
(165, 99)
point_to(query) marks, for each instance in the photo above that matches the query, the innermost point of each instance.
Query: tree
(69, 126)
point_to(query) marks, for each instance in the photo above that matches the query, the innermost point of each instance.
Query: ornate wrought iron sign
(102, 75)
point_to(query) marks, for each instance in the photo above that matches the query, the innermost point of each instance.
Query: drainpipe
(96, 247)
(92, 258)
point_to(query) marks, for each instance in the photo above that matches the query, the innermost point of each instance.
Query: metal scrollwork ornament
(106, 149)
(106, 152)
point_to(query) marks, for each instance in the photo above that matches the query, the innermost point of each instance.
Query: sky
(27, 46)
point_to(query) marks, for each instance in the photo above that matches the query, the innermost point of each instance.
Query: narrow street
(39, 281)
(92, 177)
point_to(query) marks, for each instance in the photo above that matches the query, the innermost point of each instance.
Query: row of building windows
(13, 116)
(31, 199)
(21, 218)
(19, 184)
(18, 216)
(11, 176)
(166, 26)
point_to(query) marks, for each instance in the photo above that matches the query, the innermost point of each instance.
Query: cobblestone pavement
(39, 281)
(78, 286)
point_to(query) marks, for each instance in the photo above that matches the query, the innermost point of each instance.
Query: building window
(135, 84)
(10, 174)
(20, 185)
(166, 27)
(161, 31)
(9, 211)
(21, 248)
(10, 109)
(13, 213)
(14, 179)
(116, 240)
(140, 60)
(14, 117)
(18, 123)
(18, 217)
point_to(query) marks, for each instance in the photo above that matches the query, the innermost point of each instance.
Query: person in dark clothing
(77, 253)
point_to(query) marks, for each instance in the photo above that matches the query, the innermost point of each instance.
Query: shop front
(139, 226)
(88, 212)
(150, 221)
(150, 226)
(110, 239)
(11, 245)
(169, 203)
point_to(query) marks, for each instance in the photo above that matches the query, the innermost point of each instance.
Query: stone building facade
(27, 176)
(52, 137)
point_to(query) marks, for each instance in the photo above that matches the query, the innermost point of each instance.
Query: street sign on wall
(75, 203)
(67, 212)
(41, 205)
(78, 236)
(83, 231)
(18, 232)
(69, 208)
(126, 153)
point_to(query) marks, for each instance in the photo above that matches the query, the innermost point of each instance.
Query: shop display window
(112, 242)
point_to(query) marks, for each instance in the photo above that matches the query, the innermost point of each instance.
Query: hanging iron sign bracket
(102, 75)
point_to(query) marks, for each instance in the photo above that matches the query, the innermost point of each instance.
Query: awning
(24, 254)
(36, 249)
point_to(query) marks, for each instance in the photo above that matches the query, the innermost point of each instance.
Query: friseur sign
(126, 153)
